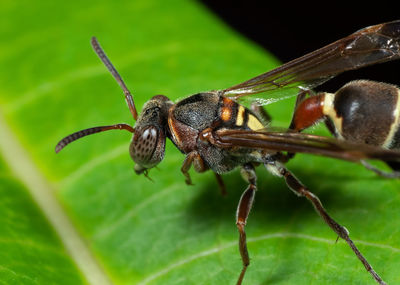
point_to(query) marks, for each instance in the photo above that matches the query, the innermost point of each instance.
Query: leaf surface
(164, 232)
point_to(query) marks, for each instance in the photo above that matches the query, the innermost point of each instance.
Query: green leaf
(160, 232)
(30, 251)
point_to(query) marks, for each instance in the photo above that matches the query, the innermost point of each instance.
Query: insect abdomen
(234, 115)
(365, 112)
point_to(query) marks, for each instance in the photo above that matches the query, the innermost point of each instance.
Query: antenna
(83, 133)
(128, 96)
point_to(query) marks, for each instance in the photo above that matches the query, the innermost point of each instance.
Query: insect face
(148, 143)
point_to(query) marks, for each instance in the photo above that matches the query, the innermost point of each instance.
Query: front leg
(198, 163)
(243, 210)
(300, 190)
(221, 184)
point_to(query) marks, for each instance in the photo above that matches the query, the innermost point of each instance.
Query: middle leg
(242, 213)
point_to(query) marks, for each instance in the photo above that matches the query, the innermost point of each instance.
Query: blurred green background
(160, 232)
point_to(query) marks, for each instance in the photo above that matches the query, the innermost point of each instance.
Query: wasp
(216, 131)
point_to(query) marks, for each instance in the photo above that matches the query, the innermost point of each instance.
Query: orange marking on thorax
(226, 109)
(226, 114)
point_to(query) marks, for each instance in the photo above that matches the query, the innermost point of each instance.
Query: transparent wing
(302, 143)
(368, 46)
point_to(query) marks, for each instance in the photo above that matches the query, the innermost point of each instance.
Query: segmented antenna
(72, 137)
(128, 96)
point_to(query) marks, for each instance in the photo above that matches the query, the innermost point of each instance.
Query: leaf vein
(219, 248)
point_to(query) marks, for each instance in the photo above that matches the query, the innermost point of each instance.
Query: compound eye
(144, 144)
(147, 147)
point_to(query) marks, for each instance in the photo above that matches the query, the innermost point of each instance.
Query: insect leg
(192, 158)
(198, 163)
(393, 174)
(221, 184)
(242, 213)
(300, 190)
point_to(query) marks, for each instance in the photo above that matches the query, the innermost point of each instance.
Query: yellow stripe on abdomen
(240, 116)
(254, 124)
